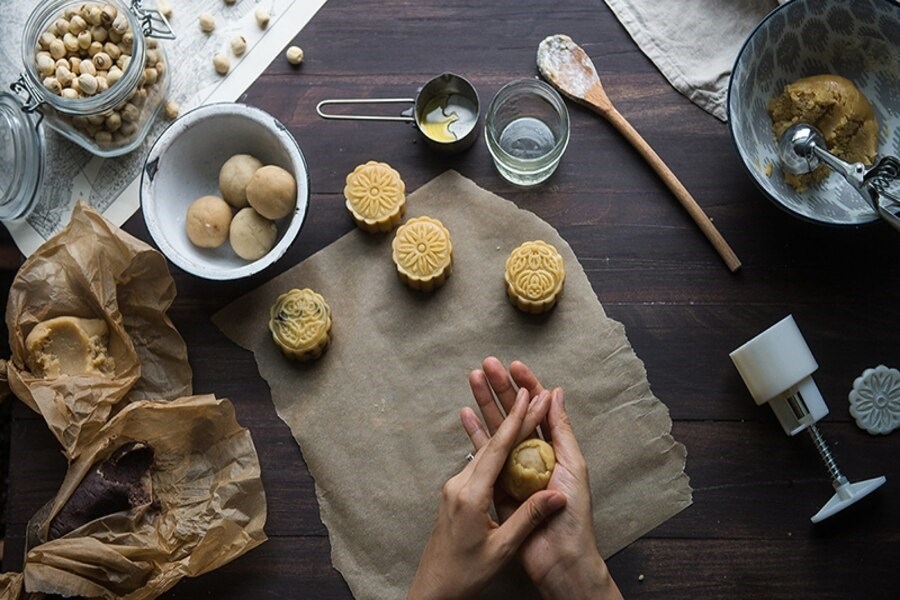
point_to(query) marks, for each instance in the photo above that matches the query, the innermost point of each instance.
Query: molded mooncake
(535, 275)
(528, 468)
(376, 196)
(423, 253)
(300, 322)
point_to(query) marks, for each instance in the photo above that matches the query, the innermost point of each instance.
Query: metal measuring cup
(445, 111)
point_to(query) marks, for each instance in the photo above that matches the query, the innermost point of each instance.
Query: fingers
(536, 414)
(564, 443)
(478, 436)
(484, 397)
(527, 517)
(525, 378)
(500, 382)
(492, 456)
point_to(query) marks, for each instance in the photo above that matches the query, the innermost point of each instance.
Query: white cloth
(694, 43)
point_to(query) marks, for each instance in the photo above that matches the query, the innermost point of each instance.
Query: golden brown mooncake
(300, 322)
(423, 253)
(376, 196)
(528, 468)
(535, 275)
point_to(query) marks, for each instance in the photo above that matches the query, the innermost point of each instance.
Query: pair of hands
(552, 531)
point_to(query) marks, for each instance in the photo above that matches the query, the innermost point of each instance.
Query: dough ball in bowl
(185, 163)
(208, 220)
(234, 176)
(272, 191)
(252, 235)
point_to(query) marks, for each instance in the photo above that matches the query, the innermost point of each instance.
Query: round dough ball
(528, 468)
(234, 176)
(272, 191)
(252, 235)
(208, 219)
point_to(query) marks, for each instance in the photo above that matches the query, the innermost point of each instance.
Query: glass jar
(107, 123)
(112, 119)
(21, 159)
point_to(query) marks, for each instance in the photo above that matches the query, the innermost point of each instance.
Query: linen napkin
(694, 43)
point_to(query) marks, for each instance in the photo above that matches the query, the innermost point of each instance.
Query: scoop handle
(684, 197)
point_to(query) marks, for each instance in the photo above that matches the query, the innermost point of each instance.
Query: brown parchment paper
(208, 506)
(92, 269)
(377, 417)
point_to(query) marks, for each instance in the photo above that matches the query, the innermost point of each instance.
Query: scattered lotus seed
(172, 110)
(221, 63)
(207, 23)
(295, 55)
(262, 17)
(238, 45)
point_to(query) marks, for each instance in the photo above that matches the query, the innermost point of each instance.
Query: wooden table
(748, 532)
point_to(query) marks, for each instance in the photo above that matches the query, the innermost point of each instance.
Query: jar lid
(21, 158)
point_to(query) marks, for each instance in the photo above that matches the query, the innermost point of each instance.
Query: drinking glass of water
(527, 130)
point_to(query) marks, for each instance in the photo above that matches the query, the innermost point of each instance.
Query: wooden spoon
(567, 66)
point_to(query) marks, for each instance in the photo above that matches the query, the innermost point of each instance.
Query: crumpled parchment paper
(377, 417)
(92, 269)
(208, 506)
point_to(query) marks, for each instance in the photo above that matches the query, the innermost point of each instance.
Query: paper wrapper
(377, 417)
(92, 269)
(208, 507)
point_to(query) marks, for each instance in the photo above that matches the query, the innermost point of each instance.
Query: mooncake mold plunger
(777, 367)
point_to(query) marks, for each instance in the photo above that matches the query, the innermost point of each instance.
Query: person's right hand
(561, 556)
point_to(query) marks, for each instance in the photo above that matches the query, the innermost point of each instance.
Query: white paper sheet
(112, 185)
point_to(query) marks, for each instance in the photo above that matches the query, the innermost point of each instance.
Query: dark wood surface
(748, 532)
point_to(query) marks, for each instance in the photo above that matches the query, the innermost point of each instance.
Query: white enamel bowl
(184, 164)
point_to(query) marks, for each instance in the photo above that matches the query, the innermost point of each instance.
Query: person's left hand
(467, 547)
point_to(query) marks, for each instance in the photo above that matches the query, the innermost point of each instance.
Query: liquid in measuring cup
(448, 118)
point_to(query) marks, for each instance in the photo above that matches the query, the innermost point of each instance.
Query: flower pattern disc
(875, 400)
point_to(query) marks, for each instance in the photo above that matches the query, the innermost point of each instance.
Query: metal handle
(871, 183)
(325, 115)
(852, 172)
(33, 99)
(153, 23)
